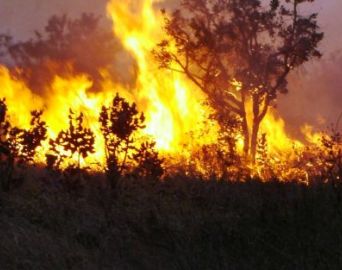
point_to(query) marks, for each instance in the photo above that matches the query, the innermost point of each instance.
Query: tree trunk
(245, 136)
(255, 126)
(254, 139)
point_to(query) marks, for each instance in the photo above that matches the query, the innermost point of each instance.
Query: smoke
(21, 18)
(315, 96)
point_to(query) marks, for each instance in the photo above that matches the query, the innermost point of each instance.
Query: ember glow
(177, 116)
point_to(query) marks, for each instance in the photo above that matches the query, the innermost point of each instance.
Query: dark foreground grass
(177, 224)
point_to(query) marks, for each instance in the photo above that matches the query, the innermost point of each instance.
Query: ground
(180, 223)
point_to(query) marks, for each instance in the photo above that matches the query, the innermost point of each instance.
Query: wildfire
(173, 106)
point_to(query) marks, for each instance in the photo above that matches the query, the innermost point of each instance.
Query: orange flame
(173, 107)
(172, 104)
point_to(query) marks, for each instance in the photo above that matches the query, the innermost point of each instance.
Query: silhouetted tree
(4, 125)
(119, 122)
(18, 145)
(23, 143)
(240, 53)
(6, 166)
(75, 141)
(66, 46)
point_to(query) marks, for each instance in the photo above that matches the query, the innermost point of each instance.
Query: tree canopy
(240, 53)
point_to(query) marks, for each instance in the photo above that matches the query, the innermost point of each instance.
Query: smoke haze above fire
(315, 92)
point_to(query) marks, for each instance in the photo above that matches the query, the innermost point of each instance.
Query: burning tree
(240, 54)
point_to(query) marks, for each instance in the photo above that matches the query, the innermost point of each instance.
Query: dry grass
(176, 224)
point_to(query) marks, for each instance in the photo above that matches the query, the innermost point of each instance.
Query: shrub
(75, 141)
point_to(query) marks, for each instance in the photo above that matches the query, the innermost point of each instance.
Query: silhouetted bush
(24, 143)
(149, 165)
(19, 146)
(77, 141)
(120, 124)
(68, 150)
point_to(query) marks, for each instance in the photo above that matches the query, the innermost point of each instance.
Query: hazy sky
(22, 17)
(316, 91)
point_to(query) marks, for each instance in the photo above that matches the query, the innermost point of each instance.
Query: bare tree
(240, 53)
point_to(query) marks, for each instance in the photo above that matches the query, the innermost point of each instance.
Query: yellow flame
(20, 100)
(173, 106)
(277, 138)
